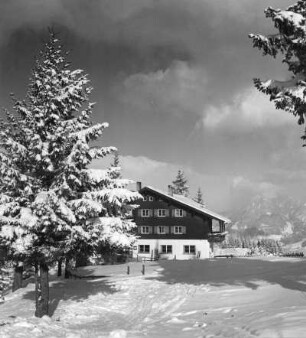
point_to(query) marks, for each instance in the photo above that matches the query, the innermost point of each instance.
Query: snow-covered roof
(198, 208)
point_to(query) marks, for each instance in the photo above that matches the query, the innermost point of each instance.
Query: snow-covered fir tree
(180, 186)
(115, 165)
(289, 41)
(199, 197)
(52, 205)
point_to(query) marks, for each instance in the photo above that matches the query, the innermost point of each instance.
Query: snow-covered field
(247, 297)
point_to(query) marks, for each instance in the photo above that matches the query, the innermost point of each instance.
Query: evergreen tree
(290, 42)
(115, 166)
(52, 206)
(199, 198)
(180, 186)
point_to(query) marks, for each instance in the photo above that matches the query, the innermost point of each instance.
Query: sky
(174, 80)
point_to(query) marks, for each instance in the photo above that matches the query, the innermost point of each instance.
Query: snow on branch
(5, 159)
(14, 146)
(64, 211)
(96, 152)
(85, 208)
(97, 175)
(57, 209)
(294, 20)
(27, 218)
(115, 196)
(8, 207)
(284, 85)
(5, 199)
(90, 133)
(114, 230)
(122, 182)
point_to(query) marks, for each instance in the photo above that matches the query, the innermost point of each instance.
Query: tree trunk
(17, 283)
(41, 290)
(59, 267)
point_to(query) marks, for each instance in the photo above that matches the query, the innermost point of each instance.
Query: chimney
(138, 186)
(170, 190)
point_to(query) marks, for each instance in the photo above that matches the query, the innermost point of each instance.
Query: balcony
(217, 237)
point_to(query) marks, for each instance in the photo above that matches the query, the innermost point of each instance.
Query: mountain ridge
(279, 217)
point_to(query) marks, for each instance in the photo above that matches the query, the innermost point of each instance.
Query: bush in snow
(52, 206)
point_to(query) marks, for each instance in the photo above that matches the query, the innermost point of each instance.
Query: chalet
(173, 226)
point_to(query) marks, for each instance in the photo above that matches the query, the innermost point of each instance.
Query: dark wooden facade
(196, 224)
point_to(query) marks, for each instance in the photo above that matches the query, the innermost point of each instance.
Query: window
(178, 213)
(161, 212)
(178, 229)
(145, 212)
(189, 249)
(166, 249)
(161, 229)
(145, 230)
(144, 248)
(151, 199)
(215, 225)
(145, 198)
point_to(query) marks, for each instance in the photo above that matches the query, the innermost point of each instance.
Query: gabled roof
(185, 201)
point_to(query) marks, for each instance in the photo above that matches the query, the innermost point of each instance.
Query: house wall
(202, 248)
(196, 227)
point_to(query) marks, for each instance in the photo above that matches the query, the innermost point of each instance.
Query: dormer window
(151, 199)
(145, 198)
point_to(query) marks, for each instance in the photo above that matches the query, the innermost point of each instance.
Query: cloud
(146, 170)
(177, 90)
(148, 37)
(265, 188)
(249, 110)
(204, 32)
(33, 13)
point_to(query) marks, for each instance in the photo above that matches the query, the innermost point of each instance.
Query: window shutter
(151, 212)
(150, 230)
(173, 212)
(184, 213)
(166, 230)
(155, 212)
(139, 212)
(184, 230)
(139, 230)
(167, 213)
(155, 230)
(172, 230)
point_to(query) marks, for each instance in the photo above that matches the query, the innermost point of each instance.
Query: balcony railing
(217, 236)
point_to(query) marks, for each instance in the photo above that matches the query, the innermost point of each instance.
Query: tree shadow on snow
(248, 272)
(74, 289)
